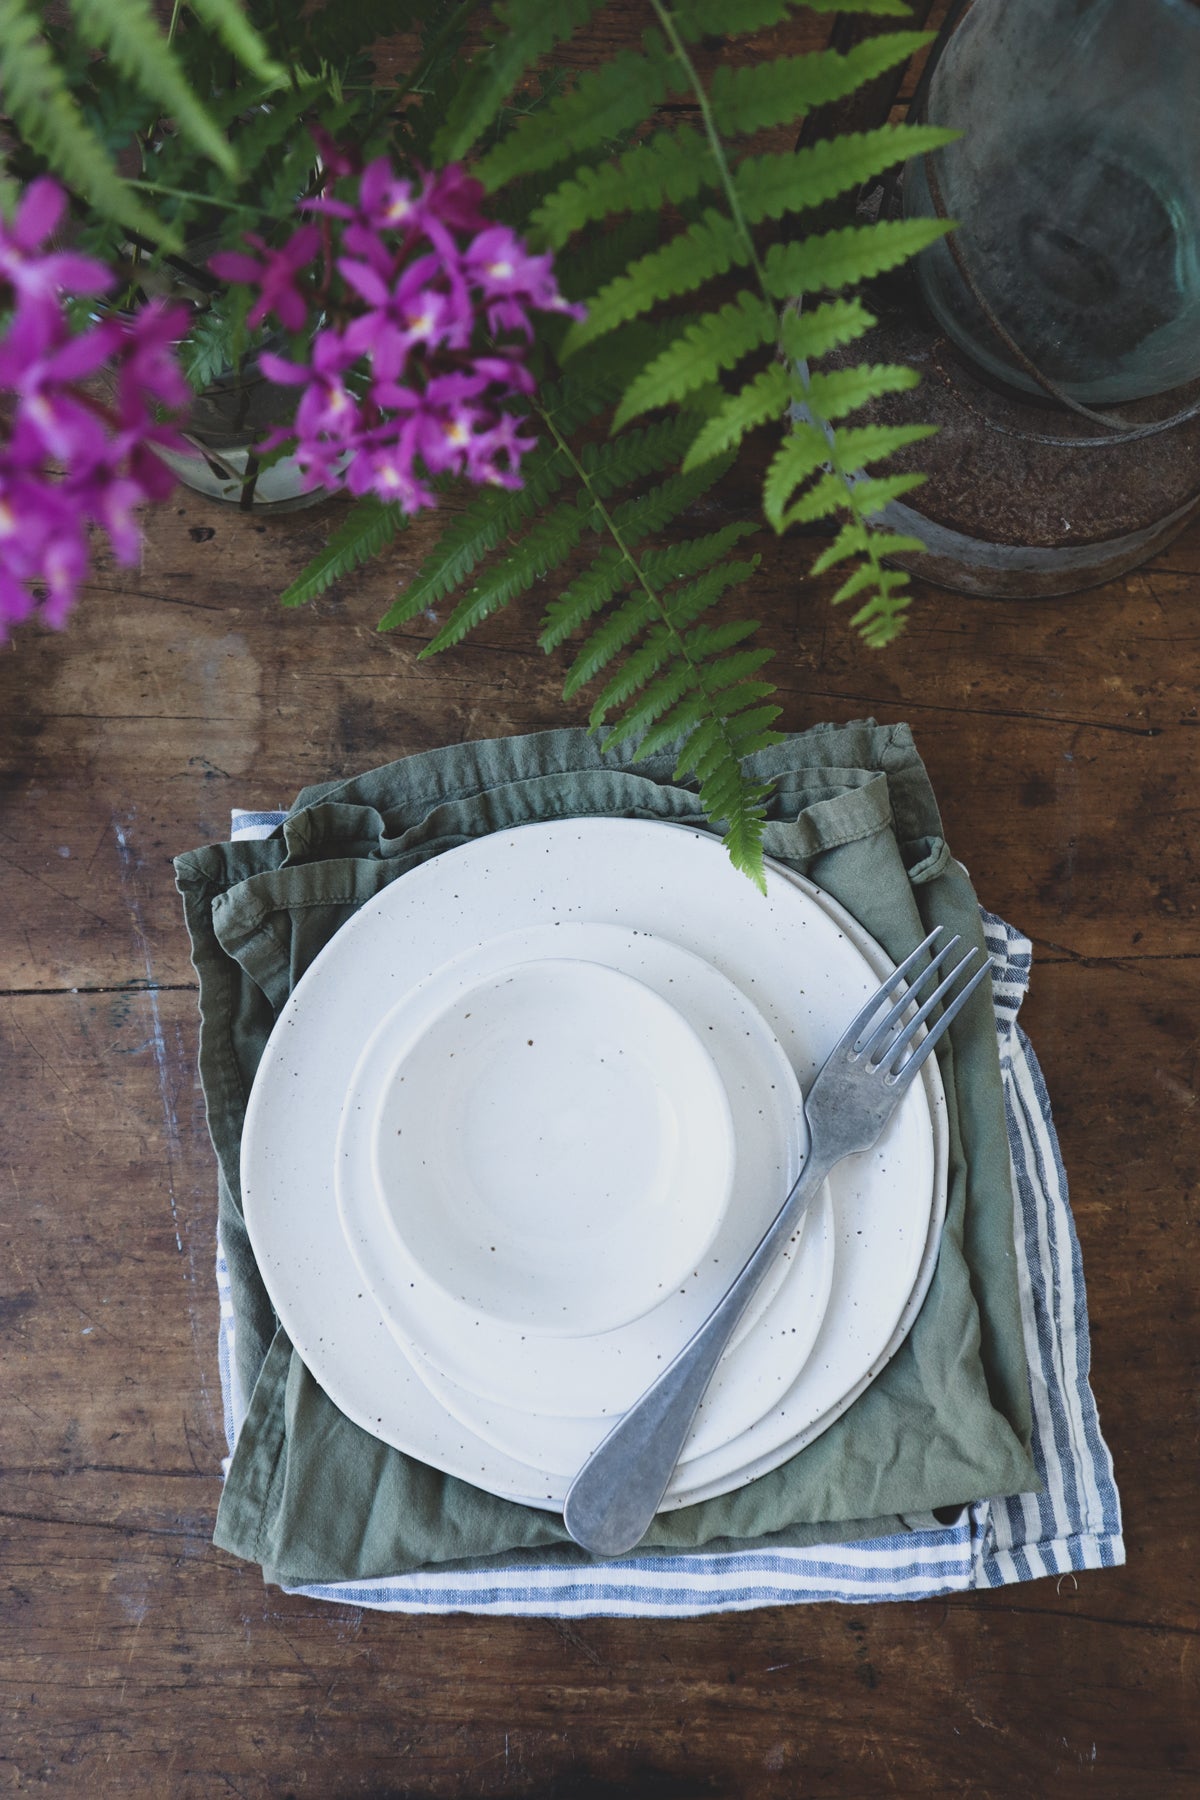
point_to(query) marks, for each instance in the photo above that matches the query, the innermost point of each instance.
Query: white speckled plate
(477, 1366)
(550, 1146)
(787, 952)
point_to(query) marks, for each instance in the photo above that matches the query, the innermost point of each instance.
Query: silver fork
(616, 1494)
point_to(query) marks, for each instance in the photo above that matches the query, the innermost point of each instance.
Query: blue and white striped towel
(1074, 1523)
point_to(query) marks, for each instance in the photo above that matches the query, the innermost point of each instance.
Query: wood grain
(135, 1660)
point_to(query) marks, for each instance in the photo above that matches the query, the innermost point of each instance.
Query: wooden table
(137, 1660)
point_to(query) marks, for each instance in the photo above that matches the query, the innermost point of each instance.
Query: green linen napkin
(314, 1498)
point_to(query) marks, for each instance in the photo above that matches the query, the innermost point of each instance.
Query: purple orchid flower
(417, 330)
(67, 459)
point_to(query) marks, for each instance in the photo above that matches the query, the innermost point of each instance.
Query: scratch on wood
(158, 1040)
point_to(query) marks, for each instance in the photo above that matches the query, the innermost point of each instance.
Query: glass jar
(1075, 266)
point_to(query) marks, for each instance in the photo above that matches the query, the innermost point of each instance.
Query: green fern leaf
(852, 540)
(129, 32)
(758, 95)
(618, 629)
(877, 491)
(674, 166)
(834, 493)
(715, 341)
(802, 453)
(692, 555)
(832, 393)
(639, 667)
(532, 28)
(361, 535)
(656, 698)
(603, 105)
(884, 581)
(584, 597)
(228, 20)
(692, 709)
(711, 246)
(48, 118)
(541, 550)
(765, 397)
(651, 512)
(881, 620)
(852, 253)
(860, 445)
(491, 516)
(688, 603)
(633, 455)
(791, 181)
(816, 330)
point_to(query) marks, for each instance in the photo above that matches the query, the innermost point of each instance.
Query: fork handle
(614, 1497)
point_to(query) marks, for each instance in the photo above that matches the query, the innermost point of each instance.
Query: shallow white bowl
(554, 1149)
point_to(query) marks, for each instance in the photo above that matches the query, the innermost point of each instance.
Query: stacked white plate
(523, 1120)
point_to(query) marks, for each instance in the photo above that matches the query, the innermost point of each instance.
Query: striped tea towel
(1074, 1523)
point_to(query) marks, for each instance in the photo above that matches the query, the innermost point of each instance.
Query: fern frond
(603, 105)
(832, 393)
(852, 253)
(711, 246)
(692, 555)
(851, 540)
(491, 516)
(715, 341)
(759, 95)
(531, 29)
(834, 493)
(794, 180)
(633, 455)
(617, 630)
(653, 511)
(228, 21)
(661, 644)
(362, 534)
(674, 166)
(584, 597)
(129, 32)
(49, 119)
(691, 709)
(765, 396)
(552, 539)
(816, 330)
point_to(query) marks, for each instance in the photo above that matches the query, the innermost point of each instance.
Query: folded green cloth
(310, 1495)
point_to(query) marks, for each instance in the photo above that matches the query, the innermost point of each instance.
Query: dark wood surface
(137, 1660)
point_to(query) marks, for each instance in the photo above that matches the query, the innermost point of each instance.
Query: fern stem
(175, 12)
(680, 52)
(156, 187)
(684, 655)
(716, 145)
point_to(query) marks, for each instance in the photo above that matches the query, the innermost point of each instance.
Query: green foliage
(48, 93)
(717, 289)
(363, 533)
(697, 369)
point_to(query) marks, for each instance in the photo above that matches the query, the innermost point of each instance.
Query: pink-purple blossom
(69, 459)
(415, 309)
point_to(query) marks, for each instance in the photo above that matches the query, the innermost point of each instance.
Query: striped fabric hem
(1074, 1524)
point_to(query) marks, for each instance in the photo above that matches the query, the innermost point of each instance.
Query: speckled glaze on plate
(465, 1357)
(551, 1145)
(787, 952)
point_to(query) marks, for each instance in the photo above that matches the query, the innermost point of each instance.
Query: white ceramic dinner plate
(790, 953)
(466, 1356)
(551, 1144)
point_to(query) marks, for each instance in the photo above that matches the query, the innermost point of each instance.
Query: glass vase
(1074, 270)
